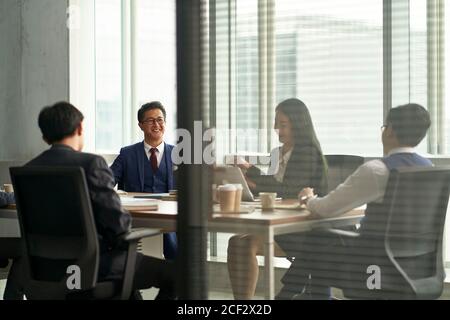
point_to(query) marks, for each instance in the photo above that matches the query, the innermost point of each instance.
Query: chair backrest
(405, 237)
(340, 167)
(58, 229)
(416, 200)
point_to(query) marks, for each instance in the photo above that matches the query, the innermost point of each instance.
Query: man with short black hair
(62, 128)
(146, 167)
(404, 129)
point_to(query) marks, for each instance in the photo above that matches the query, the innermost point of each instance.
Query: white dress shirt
(367, 184)
(159, 152)
(280, 168)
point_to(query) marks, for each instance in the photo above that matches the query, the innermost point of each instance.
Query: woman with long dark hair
(300, 164)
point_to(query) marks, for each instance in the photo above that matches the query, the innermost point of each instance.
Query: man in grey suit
(62, 128)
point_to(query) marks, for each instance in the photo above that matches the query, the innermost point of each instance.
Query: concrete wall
(34, 72)
(10, 72)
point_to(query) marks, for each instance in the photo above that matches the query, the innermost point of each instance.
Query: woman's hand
(250, 183)
(241, 163)
(305, 195)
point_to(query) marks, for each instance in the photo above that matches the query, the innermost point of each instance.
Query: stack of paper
(139, 204)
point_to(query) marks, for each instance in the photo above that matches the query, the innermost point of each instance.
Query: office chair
(59, 232)
(411, 230)
(402, 237)
(340, 167)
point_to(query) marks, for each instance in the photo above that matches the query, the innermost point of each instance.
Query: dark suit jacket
(111, 221)
(305, 168)
(128, 168)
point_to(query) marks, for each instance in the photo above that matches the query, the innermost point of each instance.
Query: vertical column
(193, 201)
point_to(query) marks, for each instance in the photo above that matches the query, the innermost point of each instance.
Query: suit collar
(141, 159)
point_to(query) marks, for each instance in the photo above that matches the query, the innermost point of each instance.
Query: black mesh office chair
(411, 228)
(340, 167)
(59, 231)
(402, 237)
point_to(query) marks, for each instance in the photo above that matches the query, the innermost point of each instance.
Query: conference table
(264, 224)
(284, 219)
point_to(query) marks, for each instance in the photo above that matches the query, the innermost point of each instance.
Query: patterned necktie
(153, 159)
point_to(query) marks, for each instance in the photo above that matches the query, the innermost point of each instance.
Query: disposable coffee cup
(268, 200)
(227, 197)
(238, 199)
(8, 188)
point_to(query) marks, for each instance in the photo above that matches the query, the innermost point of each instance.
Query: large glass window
(135, 62)
(156, 58)
(108, 65)
(247, 74)
(447, 81)
(332, 59)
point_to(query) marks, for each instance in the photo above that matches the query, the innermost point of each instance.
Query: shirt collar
(285, 158)
(160, 147)
(401, 150)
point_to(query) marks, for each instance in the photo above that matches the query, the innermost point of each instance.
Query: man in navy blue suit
(147, 166)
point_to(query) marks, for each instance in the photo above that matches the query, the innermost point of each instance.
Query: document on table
(139, 204)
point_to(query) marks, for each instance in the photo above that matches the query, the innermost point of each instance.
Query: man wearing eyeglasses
(147, 166)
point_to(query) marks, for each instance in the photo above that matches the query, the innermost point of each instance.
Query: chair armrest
(140, 233)
(343, 233)
(132, 238)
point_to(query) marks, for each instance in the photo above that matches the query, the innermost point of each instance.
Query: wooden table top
(168, 210)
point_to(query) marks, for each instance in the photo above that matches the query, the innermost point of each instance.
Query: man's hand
(305, 195)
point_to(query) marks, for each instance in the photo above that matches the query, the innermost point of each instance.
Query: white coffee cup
(227, 197)
(8, 188)
(268, 200)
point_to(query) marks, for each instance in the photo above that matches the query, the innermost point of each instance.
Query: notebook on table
(133, 204)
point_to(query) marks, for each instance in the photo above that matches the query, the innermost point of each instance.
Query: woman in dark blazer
(300, 163)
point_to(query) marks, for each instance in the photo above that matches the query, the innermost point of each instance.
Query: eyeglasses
(152, 121)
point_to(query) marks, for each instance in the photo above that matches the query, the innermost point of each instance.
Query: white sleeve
(365, 185)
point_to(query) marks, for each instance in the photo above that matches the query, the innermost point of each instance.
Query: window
(156, 58)
(336, 65)
(108, 71)
(447, 79)
(125, 50)
(247, 73)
